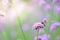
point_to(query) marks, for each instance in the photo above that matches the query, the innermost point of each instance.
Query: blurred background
(17, 18)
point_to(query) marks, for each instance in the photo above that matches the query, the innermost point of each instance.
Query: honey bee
(44, 22)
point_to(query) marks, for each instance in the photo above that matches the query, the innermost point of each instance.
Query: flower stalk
(20, 26)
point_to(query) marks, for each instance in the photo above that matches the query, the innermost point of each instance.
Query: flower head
(47, 7)
(38, 25)
(43, 37)
(55, 1)
(25, 27)
(42, 3)
(57, 8)
(54, 26)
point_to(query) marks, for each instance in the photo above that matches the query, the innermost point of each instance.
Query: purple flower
(54, 26)
(42, 3)
(57, 8)
(55, 1)
(38, 25)
(43, 37)
(25, 27)
(47, 7)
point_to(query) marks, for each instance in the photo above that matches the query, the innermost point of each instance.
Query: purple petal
(42, 3)
(44, 37)
(55, 1)
(25, 27)
(54, 26)
(57, 9)
(47, 7)
(38, 25)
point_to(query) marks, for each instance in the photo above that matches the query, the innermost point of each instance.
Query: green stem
(37, 33)
(58, 17)
(19, 23)
(51, 15)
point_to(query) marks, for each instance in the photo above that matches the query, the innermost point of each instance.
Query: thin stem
(51, 15)
(19, 23)
(37, 33)
(58, 17)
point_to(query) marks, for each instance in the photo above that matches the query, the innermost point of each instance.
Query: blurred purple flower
(55, 1)
(57, 8)
(47, 7)
(54, 26)
(43, 37)
(25, 27)
(41, 3)
(38, 25)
